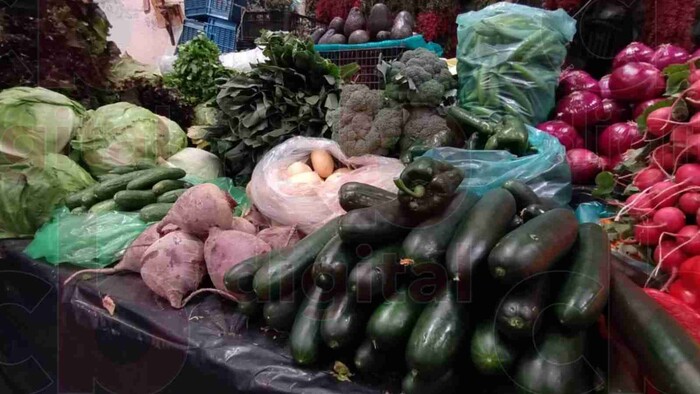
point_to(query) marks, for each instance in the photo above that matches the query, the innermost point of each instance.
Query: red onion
(639, 108)
(637, 82)
(576, 81)
(633, 53)
(618, 138)
(580, 109)
(585, 165)
(667, 54)
(604, 86)
(565, 133)
(613, 112)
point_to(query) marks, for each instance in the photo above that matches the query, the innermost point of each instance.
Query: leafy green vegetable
(605, 184)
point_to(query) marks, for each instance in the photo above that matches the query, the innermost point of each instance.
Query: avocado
(355, 21)
(317, 34)
(326, 36)
(379, 19)
(337, 39)
(403, 26)
(408, 17)
(383, 35)
(337, 24)
(358, 37)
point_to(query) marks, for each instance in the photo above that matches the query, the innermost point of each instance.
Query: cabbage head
(30, 189)
(36, 121)
(122, 133)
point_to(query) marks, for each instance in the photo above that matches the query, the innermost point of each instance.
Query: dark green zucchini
(375, 275)
(437, 337)
(671, 355)
(305, 339)
(378, 224)
(585, 291)
(356, 195)
(333, 264)
(427, 243)
(250, 306)
(534, 247)
(392, 322)
(282, 272)
(532, 211)
(239, 278)
(491, 354)
(524, 195)
(445, 384)
(483, 226)
(518, 315)
(279, 315)
(368, 359)
(343, 322)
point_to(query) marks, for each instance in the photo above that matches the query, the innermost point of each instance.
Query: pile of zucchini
(504, 287)
(145, 188)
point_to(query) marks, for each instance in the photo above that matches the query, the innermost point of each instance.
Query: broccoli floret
(354, 132)
(425, 127)
(388, 124)
(419, 78)
(429, 94)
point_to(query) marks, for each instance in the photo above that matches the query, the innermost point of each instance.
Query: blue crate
(223, 33)
(190, 29)
(223, 9)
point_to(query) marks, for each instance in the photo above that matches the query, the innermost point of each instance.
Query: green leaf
(347, 71)
(331, 101)
(605, 184)
(642, 119)
(330, 79)
(680, 112)
(677, 82)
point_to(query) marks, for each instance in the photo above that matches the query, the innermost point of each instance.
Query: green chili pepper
(426, 186)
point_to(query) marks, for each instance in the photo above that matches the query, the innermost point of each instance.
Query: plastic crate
(223, 9)
(368, 60)
(190, 29)
(253, 22)
(223, 33)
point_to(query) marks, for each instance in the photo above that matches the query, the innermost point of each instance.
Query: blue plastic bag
(413, 42)
(510, 58)
(546, 172)
(592, 212)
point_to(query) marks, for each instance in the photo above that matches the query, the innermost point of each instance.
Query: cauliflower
(418, 78)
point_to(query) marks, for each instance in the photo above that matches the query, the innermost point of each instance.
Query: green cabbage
(122, 133)
(35, 121)
(30, 189)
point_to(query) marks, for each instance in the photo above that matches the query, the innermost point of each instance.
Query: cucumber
(671, 356)
(445, 384)
(153, 176)
(378, 224)
(171, 196)
(305, 339)
(89, 198)
(490, 354)
(106, 177)
(375, 275)
(239, 278)
(524, 195)
(154, 212)
(107, 189)
(104, 206)
(343, 322)
(483, 226)
(333, 264)
(279, 315)
(282, 272)
(131, 168)
(356, 195)
(76, 199)
(129, 200)
(250, 307)
(534, 247)
(518, 315)
(585, 292)
(78, 210)
(368, 359)
(532, 211)
(427, 243)
(437, 336)
(167, 185)
(391, 324)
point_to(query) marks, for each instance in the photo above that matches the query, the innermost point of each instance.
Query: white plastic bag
(241, 61)
(309, 206)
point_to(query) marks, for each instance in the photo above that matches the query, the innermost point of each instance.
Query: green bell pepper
(426, 186)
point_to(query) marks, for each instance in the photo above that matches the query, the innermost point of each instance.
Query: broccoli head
(418, 78)
(425, 127)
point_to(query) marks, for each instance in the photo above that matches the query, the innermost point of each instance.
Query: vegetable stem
(417, 192)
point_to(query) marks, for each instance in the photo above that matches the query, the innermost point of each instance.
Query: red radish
(576, 81)
(663, 157)
(565, 133)
(697, 216)
(679, 291)
(604, 87)
(580, 109)
(696, 53)
(648, 177)
(680, 135)
(659, 122)
(689, 273)
(688, 174)
(639, 205)
(686, 315)
(618, 138)
(639, 108)
(667, 54)
(636, 82)
(647, 233)
(634, 52)
(613, 112)
(671, 218)
(689, 237)
(694, 123)
(671, 254)
(694, 76)
(664, 194)
(689, 202)
(585, 165)
(692, 95)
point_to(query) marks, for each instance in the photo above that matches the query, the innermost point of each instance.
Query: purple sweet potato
(200, 208)
(280, 237)
(174, 266)
(224, 249)
(243, 225)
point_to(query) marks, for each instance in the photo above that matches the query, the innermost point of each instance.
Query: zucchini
(532, 211)
(392, 322)
(106, 177)
(585, 292)
(305, 339)
(490, 354)
(249, 306)
(129, 200)
(171, 196)
(154, 212)
(153, 176)
(427, 243)
(375, 275)
(282, 272)
(104, 206)
(107, 189)
(343, 322)
(534, 247)
(368, 359)
(445, 384)
(378, 224)
(76, 199)
(131, 168)
(239, 278)
(518, 315)
(524, 195)
(437, 336)
(333, 264)
(167, 185)
(483, 226)
(78, 210)
(356, 195)
(279, 315)
(671, 356)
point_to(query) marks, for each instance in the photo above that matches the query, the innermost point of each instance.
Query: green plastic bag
(85, 240)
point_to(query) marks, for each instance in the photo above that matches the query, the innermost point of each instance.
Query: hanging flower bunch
(326, 10)
(569, 6)
(668, 21)
(439, 23)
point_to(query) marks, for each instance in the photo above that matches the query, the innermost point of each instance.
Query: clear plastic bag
(510, 58)
(311, 205)
(546, 172)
